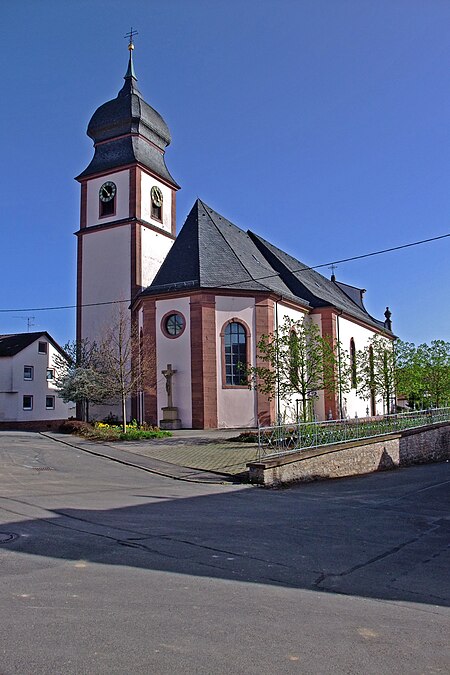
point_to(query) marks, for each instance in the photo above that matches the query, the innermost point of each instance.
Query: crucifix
(332, 267)
(168, 374)
(130, 37)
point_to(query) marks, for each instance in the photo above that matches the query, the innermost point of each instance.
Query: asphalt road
(108, 569)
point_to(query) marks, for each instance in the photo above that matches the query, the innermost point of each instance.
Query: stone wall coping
(336, 447)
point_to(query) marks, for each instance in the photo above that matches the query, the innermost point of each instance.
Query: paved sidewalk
(209, 455)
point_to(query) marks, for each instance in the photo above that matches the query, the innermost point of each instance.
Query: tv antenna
(28, 319)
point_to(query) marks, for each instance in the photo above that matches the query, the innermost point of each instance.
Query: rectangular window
(42, 347)
(49, 402)
(50, 373)
(27, 403)
(28, 372)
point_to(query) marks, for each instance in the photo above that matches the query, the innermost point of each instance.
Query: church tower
(127, 216)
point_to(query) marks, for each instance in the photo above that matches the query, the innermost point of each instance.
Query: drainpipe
(277, 364)
(339, 362)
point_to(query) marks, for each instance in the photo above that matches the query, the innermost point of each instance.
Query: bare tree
(125, 363)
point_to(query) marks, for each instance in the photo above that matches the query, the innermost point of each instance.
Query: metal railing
(283, 439)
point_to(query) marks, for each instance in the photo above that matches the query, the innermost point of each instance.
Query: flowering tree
(376, 372)
(80, 377)
(299, 361)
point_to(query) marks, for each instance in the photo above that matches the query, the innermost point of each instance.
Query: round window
(174, 324)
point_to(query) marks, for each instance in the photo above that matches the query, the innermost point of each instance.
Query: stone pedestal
(170, 419)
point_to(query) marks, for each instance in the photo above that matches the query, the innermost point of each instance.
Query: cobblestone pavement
(214, 451)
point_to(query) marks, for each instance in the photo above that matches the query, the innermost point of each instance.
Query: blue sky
(322, 125)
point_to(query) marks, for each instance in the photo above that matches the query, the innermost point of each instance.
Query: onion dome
(127, 130)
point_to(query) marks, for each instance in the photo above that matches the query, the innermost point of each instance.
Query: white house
(27, 378)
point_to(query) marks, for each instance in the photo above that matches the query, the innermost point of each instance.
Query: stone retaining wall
(412, 446)
(32, 425)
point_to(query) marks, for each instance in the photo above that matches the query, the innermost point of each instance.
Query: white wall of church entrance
(176, 351)
(121, 179)
(236, 407)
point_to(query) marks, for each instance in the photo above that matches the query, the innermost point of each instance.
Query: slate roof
(212, 252)
(13, 343)
(127, 130)
(310, 284)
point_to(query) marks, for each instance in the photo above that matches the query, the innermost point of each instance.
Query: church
(202, 299)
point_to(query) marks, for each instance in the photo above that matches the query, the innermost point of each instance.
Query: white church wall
(106, 278)
(147, 182)
(176, 351)
(352, 403)
(154, 248)
(288, 407)
(290, 312)
(235, 407)
(121, 179)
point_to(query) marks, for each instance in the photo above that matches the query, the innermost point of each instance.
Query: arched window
(353, 362)
(235, 354)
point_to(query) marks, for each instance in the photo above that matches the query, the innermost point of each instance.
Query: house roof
(13, 343)
(126, 130)
(212, 252)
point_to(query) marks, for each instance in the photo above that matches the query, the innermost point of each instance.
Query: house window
(27, 403)
(42, 347)
(235, 354)
(49, 402)
(50, 373)
(28, 372)
(353, 363)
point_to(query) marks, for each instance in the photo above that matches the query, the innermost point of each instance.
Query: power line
(355, 257)
(49, 309)
(234, 283)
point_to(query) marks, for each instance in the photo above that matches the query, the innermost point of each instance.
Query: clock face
(157, 197)
(107, 191)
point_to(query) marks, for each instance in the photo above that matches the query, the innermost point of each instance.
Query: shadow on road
(380, 536)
